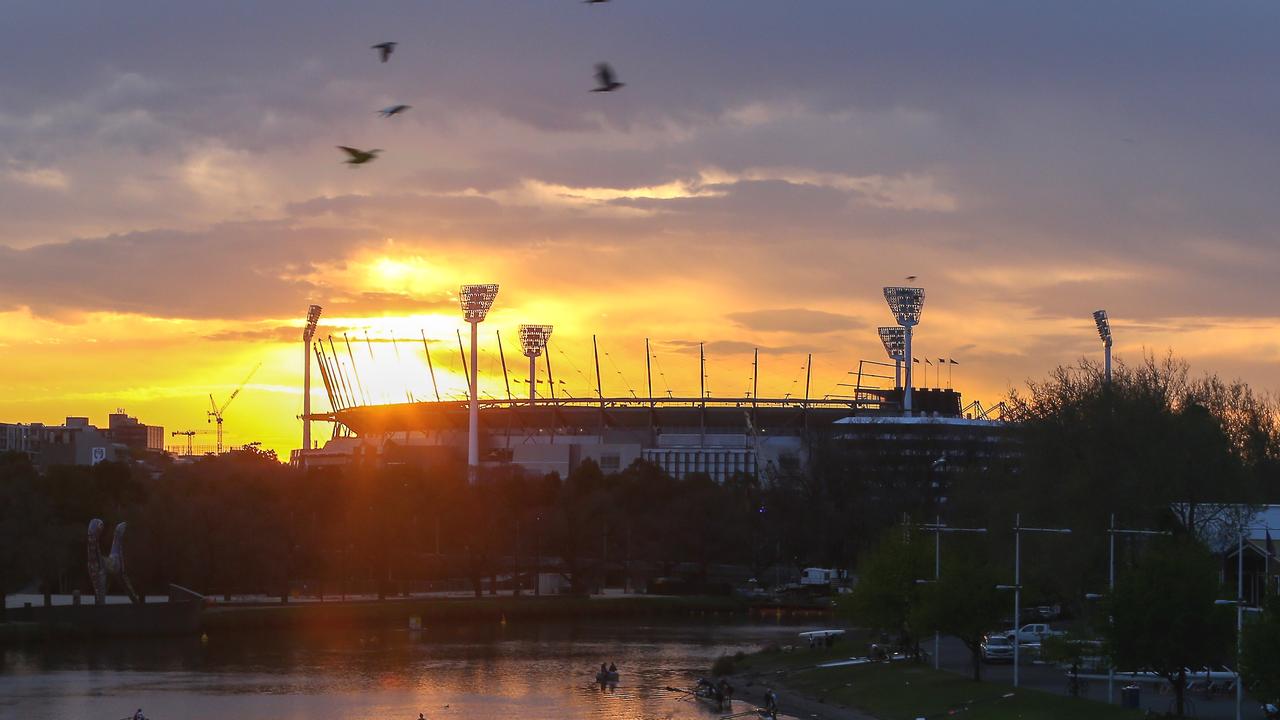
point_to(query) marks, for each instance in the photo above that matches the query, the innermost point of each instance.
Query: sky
(173, 198)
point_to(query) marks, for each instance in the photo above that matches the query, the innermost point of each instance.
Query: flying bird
(606, 79)
(593, 2)
(393, 110)
(911, 278)
(385, 49)
(358, 156)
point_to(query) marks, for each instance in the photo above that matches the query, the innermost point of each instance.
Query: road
(955, 657)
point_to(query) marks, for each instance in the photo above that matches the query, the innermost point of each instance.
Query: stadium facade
(717, 436)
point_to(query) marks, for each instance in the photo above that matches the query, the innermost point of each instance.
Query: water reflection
(544, 671)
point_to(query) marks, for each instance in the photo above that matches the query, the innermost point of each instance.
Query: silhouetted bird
(593, 2)
(911, 278)
(360, 157)
(393, 110)
(605, 76)
(385, 49)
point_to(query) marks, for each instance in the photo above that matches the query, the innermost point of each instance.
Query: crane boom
(238, 389)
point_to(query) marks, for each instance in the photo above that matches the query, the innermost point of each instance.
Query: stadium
(760, 437)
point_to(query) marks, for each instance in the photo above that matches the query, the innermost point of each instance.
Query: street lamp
(1240, 611)
(938, 528)
(906, 304)
(894, 340)
(476, 301)
(533, 340)
(308, 332)
(1017, 581)
(1104, 332)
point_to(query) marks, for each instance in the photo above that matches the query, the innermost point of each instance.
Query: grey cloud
(232, 270)
(796, 320)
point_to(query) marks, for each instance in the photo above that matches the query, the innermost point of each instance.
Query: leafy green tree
(887, 590)
(1164, 618)
(1260, 653)
(964, 603)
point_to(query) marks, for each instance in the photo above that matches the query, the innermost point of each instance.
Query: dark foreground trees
(1260, 653)
(963, 603)
(887, 591)
(1164, 619)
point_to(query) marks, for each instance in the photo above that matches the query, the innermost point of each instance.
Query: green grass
(904, 691)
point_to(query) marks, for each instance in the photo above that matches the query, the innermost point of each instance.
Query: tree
(1260, 653)
(963, 603)
(887, 590)
(1163, 615)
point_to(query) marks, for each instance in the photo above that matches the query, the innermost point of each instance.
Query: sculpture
(104, 567)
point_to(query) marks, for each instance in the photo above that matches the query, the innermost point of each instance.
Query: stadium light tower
(1104, 332)
(906, 304)
(476, 301)
(533, 339)
(894, 338)
(308, 332)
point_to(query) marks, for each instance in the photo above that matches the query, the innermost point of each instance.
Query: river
(531, 672)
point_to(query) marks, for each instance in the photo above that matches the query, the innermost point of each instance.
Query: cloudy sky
(173, 198)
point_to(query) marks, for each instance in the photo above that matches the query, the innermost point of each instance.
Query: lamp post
(906, 304)
(308, 332)
(1018, 529)
(938, 528)
(476, 301)
(533, 340)
(894, 340)
(1240, 611)
(1104, 332)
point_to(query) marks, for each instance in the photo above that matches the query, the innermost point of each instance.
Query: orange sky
(173, 198)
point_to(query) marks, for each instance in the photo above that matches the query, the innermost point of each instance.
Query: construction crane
(190, 434)
(216, 412)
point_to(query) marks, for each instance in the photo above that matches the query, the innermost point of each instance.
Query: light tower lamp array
(475, 301)
(533, 340)
(308, 332)
(1104, 332)
(906, 304)
(894, 339)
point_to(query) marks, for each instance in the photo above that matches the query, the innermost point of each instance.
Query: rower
(771, 702)
(613, 668)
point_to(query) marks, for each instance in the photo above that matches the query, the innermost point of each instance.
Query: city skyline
(175, 200)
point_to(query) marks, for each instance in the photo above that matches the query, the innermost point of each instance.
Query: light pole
(1018, 529)
(906, 304)
(533, 340)
(1104, 332)
(308, 332)
(894, 340)
(1112, 531)
(476, 301)
(938, 528)
(1240, 611)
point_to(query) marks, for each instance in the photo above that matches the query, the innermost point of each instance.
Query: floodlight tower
(476, 301)
(894, 338)
(906, 304)
(533, 339)
(1104, 332)
(308, 332)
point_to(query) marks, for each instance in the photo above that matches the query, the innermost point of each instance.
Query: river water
(467, 671)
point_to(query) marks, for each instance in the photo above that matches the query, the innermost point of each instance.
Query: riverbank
(895, 691)
(439, 611)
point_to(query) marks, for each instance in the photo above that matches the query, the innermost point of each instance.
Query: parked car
(1032, 633)
(996, 648)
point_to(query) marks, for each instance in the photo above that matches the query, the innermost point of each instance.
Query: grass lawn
(905, 691)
